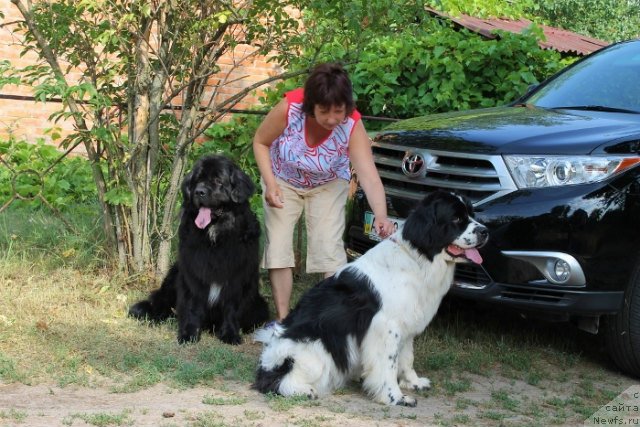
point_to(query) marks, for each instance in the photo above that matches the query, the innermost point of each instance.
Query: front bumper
(557, 303)
(554, 303)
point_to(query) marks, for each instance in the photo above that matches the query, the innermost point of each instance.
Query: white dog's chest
(413, 299)
(214, 294)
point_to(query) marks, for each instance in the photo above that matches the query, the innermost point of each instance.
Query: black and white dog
(361, 322)
(214, 283)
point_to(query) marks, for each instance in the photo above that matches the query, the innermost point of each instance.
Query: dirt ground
(48, 406)
(235, 404)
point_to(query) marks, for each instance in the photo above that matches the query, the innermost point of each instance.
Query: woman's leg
(281, 286)
(325, 220)
(278, 255)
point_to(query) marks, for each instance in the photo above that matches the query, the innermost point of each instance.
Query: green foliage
(484, 8)
(409, 74)
(33, 172)
(611, 20)
(8, 74)
(407, 63)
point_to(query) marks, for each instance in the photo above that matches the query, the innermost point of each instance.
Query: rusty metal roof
(556, 38)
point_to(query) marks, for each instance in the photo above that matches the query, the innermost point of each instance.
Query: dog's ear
(467, 203)
(186, 188)
(241, 186)
(422, 228)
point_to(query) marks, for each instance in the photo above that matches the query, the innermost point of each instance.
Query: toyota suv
(556, 178)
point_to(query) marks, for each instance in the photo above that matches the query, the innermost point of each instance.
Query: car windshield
(608, 80)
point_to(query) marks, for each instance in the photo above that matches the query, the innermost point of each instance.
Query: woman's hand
(383, 227)
(273, 196)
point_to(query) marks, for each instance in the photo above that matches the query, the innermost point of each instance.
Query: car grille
(478, 177)
(547, 296)
(473, 276)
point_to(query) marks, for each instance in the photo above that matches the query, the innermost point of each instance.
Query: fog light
(561, 270)
(557, 268)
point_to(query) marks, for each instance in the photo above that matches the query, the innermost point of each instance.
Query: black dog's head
(444, 221)
(215, 182)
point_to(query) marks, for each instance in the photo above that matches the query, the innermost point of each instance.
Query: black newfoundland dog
(214, 283)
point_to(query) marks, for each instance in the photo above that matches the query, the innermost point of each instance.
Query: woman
(303, 149)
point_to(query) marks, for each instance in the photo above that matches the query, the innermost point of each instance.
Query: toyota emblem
(413, 165)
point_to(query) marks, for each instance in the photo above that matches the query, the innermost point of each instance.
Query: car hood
(516, 130)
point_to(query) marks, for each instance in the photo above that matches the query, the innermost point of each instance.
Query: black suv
(556, 178)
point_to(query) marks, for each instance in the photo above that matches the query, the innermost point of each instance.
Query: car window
(610, 78)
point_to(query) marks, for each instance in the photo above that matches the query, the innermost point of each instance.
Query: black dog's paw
(189, 336)
(188, 339)
(140, 310)
(230, 338)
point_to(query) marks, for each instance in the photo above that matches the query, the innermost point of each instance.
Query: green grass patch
(101, 419)
(505, 400)
(39, 236)
(8, 370)
(208, 419)
(282, 404)
(221, 401)
(452, 387)
(71, 328)
(13, 415)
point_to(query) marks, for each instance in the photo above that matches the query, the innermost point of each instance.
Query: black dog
(214, 283)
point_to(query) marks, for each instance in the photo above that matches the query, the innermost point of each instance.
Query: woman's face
(329, 116)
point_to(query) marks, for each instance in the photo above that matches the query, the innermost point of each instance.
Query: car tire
(622, 332)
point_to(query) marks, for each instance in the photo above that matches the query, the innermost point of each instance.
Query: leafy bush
(417, 73)
(33, 172)
(29, 228)
(611, 20)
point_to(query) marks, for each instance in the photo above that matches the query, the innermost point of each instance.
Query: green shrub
(416, 73)
(33, 172)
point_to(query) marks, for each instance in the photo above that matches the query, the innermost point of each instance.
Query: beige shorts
(324, 208)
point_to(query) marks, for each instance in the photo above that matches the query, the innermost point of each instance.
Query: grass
(221, 401)
(71, 328)
(64, 321)
(13, 414)
(41, 238)
(283, 404)
(101, 419)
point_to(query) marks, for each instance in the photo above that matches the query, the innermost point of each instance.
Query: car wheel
(623, 329)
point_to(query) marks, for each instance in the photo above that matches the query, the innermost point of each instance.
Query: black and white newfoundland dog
(214, 283)
(361, 322)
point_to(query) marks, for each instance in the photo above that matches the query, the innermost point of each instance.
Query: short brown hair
(327, 85)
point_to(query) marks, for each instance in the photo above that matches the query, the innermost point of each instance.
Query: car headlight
(551, 171)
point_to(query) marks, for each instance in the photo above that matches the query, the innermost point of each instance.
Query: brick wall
(29, 119)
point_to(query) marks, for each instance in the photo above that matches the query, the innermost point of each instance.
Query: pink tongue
(473, 255)
(204, 218)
